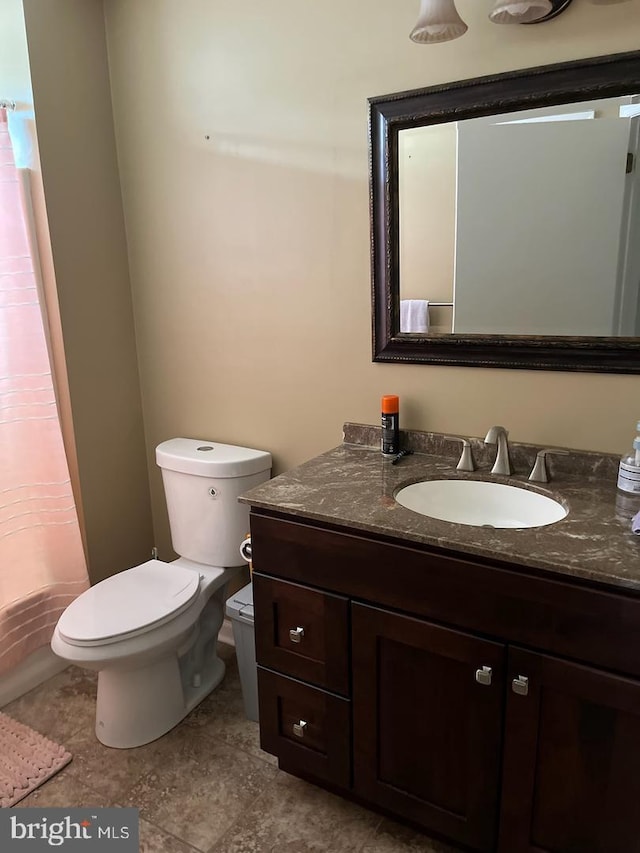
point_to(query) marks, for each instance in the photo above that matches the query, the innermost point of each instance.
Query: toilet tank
(202, 481)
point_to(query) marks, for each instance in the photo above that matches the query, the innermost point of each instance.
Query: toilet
(151, 631)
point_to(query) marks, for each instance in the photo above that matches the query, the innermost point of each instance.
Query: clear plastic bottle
(629, 470)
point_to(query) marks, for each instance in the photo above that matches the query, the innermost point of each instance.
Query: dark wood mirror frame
(600, 77)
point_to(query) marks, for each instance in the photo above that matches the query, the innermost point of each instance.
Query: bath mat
(27, 759)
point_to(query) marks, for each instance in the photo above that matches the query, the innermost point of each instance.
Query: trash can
(239, 609)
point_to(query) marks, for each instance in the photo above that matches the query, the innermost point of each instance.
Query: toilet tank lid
(210, 458)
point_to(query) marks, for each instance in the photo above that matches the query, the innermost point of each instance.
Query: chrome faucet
(499, 435)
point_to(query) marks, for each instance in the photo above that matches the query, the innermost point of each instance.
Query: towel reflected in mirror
(414, 315)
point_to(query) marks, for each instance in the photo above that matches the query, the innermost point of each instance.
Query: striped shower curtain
(42, 564)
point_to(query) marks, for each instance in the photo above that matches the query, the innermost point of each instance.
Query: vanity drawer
(302, 632)
(305, 727)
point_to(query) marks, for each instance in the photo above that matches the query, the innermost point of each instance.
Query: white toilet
(151, 631)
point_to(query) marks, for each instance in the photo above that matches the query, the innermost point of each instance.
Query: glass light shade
(519, 11)
(438, 21)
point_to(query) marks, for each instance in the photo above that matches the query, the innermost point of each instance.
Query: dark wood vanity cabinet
(461, 697)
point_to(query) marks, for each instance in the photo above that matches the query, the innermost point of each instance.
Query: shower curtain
(42, 563)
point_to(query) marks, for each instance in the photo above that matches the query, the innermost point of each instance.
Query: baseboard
(38, 667)
(226, 633)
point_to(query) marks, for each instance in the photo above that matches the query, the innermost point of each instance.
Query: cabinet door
(427, 723)
(571, 776)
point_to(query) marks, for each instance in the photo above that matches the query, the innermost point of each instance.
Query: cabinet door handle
(484, 675)
(299, 728)
(296, 635)
(520, 685)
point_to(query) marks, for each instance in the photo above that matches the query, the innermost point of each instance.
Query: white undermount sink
(480, 503)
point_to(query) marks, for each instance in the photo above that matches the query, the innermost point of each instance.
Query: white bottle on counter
(629, 470)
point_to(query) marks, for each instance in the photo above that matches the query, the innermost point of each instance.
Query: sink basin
(480, 504)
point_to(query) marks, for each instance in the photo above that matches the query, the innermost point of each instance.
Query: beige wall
(70, 82)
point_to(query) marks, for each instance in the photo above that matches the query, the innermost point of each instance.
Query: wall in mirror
(506, 219)
(526, 223)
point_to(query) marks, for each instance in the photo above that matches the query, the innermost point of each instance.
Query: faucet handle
(466, 461)
(539, 473)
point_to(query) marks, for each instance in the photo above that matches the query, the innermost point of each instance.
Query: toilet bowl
(151, 631)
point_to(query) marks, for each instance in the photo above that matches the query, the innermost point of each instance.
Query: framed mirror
(505, 219)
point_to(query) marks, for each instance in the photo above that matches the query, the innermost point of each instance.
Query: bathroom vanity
(481, 684)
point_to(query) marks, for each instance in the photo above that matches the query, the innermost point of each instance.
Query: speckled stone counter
(352, 486)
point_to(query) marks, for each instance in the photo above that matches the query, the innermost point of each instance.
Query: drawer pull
(296, 635)
(299, 728)
(484, 675)
(520, 685)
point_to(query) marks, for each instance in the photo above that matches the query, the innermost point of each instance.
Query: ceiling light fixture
(519, 11)
(439, 19)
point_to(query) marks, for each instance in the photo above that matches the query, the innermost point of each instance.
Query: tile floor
(206, 787)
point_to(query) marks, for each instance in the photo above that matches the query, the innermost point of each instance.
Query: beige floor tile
(63, 791)
(156, 840)
(295, 817)
(200, 789)
(392, 837)
(60, 707)
(112, 772)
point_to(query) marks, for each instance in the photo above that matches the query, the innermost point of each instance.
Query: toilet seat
(128, 604)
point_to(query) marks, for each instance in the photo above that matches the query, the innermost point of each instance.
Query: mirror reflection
(526, 223)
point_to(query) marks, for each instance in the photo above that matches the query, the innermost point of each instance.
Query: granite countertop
(353, 486)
